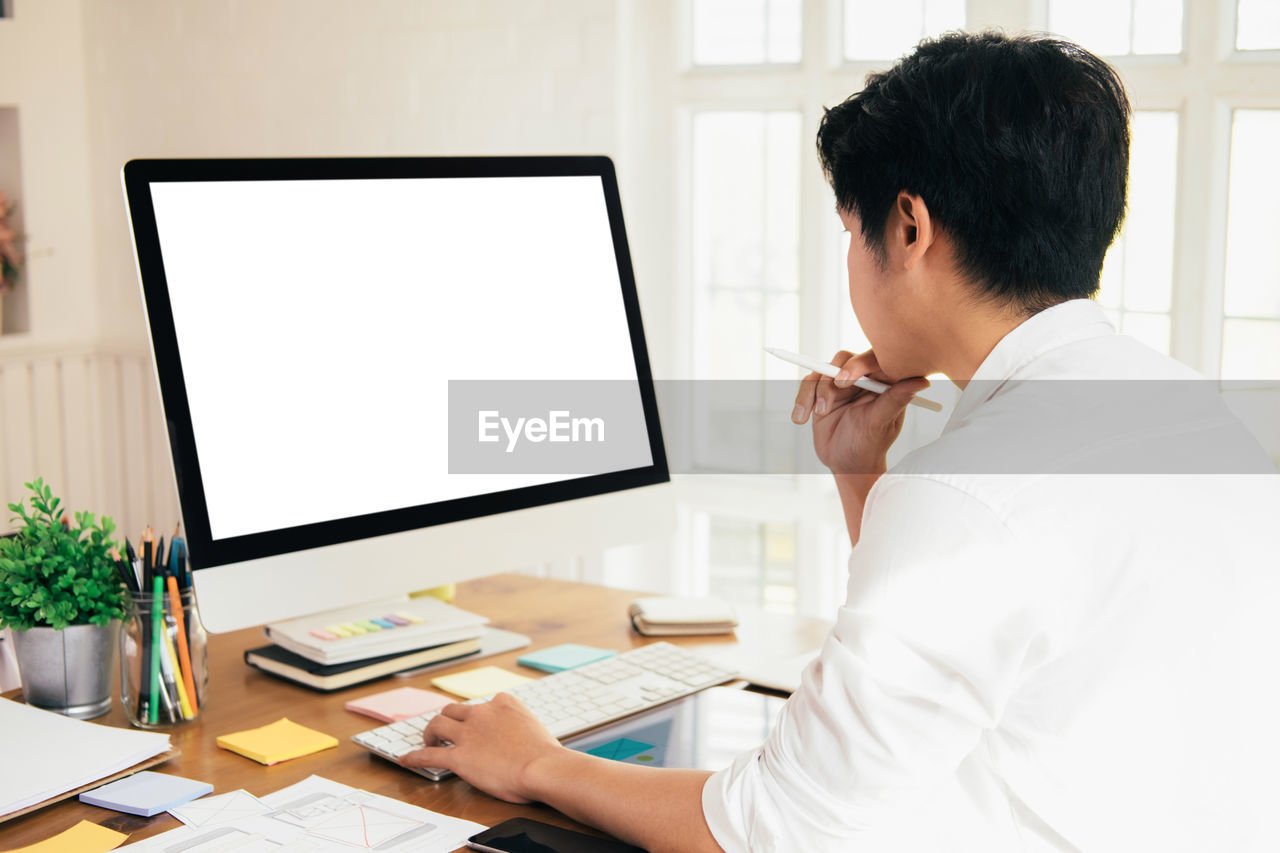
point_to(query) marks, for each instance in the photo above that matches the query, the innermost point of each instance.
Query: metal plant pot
(69, 671)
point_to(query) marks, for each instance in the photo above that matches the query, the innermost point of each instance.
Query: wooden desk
(550, 612)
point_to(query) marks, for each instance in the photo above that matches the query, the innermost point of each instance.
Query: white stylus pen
(826, 369)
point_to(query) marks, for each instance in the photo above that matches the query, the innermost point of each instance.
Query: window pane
(1112, 28)
(1102, 26)
(1137, 274)
(1148, 227)
(1253, 217)
(745, 32)
(746, 196)
(752, 563)
(1258, 25)
(1157, 26)
(876, 30)
(1251, 349)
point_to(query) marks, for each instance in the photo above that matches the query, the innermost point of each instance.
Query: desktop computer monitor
(332, 339)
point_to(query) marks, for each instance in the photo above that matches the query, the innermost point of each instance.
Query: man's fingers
(430, 756)
(825, 397)
(805, 398)
(893, 401)
(855, 367)
(457, 710)
(442, 728)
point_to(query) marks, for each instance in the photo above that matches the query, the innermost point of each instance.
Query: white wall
(100, 83)
(42, 75)
(301, 78)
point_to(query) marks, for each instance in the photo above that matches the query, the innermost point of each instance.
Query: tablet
(705, 731)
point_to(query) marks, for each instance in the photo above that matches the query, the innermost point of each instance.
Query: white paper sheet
(58, 754)
(220, 808)
(317, 814)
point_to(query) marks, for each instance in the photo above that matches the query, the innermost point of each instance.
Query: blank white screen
(319, 322)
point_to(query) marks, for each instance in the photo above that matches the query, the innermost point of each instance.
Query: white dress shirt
(1060, 631)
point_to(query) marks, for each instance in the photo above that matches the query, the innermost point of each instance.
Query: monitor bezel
(207, 552)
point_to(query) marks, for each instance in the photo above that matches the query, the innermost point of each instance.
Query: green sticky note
(562, 657)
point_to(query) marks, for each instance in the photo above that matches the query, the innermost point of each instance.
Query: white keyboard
(576, 700)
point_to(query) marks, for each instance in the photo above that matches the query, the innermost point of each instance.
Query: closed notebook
(276, 742)
(380, 628)
(283, 663)
(146, 793)
(392, 706)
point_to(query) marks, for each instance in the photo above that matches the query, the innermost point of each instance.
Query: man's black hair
(1018, 145)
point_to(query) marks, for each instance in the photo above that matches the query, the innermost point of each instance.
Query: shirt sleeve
(943, 614)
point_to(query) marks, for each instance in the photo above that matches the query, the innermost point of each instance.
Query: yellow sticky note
(479, 682)
(84, 837)
(276, 742)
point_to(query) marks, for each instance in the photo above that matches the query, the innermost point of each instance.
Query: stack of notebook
(329, 651)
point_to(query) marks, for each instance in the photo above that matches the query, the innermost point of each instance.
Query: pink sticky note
(391, 706)
(322, 634)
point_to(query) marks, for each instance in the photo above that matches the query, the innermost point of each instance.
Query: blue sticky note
(620, 749)
(566, 656)
(146, 793)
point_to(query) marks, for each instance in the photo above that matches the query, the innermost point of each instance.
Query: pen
(125, 572)
(157, 631)
(146, 689)
(175, 692)
(186, 673)
(151, 646)
(865, 382)
(132, 556)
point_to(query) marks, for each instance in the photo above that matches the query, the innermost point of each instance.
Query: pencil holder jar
(164, 674)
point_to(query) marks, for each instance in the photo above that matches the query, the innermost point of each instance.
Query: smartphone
(522, 835)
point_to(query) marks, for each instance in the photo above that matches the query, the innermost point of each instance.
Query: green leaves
(53, 573)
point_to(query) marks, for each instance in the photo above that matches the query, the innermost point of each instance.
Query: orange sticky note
(276, 742)
(85, 837)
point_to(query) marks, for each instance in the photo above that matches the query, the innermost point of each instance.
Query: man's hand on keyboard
(493, 745)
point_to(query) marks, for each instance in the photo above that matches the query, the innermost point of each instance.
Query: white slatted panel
(78, 431)
(46, 398)
(16, 421)
(90, 423)
(108, 462)
(164, 500)
(137, 509)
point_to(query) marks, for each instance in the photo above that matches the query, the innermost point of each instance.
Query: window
(746, 215)
(1137, 276)
(1251, 304)
(1258, 25)
(751, 563)
(759, 255)
(877, 30)
(1111, 28)
(746, 32)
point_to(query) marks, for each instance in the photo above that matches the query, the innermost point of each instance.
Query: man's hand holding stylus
(852, 428)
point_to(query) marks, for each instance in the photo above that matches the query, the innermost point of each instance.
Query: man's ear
(911, 229)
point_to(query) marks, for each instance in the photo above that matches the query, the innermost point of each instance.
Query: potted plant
(62, 597)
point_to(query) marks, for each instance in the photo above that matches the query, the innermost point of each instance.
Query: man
(1058, 627)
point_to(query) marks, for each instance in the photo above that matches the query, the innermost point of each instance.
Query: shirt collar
(1064, 323)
